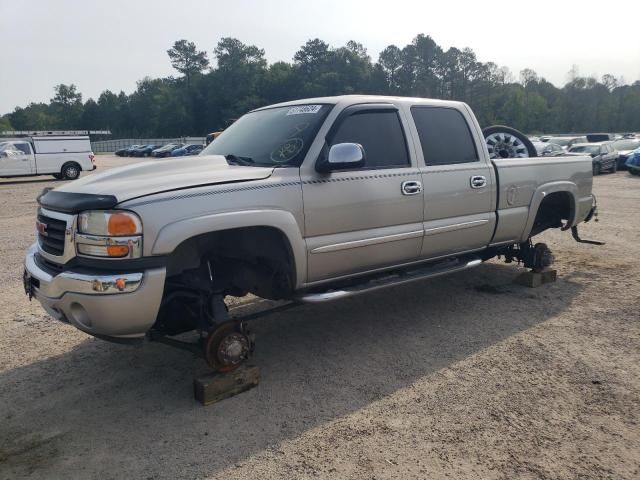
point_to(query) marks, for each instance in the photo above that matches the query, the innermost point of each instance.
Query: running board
(395, 279)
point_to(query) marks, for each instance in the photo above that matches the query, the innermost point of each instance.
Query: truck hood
(146, 178)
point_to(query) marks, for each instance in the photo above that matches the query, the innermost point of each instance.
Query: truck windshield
(271, 137)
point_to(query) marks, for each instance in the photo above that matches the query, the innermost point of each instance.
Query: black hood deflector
(69, 202)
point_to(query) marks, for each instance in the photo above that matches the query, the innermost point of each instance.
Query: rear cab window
(445, 136)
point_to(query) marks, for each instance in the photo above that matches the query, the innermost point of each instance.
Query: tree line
(206, 96)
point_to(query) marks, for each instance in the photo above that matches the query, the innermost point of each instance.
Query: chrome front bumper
(115, 305)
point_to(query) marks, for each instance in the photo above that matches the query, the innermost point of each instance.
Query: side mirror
(342, 156)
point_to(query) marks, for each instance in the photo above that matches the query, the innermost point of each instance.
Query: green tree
(203, 100)
(5, 123)
(186, 59)
(36, 116)
(313, 57)
(66, 107)
(427, 54)
(233, 55)
(390, 61)
(91, 116)
(66, 95)
(235, 85)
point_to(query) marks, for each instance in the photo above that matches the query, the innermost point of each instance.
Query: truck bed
(524, 182)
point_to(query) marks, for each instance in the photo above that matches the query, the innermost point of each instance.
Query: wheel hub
(503, 145)
(233, 349)
(228, 345)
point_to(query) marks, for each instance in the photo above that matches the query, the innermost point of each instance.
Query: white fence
(103, 146)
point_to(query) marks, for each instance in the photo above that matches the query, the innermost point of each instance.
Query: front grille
(52, 240)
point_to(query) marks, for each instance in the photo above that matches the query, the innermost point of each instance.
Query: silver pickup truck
(311, 201)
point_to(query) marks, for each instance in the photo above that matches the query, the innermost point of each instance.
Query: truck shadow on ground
(102, 407)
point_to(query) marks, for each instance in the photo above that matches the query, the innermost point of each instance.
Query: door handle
(478, 181)
(411, 187)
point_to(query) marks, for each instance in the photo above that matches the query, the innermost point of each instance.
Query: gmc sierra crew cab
(310, 201)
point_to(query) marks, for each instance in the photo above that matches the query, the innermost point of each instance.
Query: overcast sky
(111, 44)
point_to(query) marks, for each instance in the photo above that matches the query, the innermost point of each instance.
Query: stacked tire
(507, 142)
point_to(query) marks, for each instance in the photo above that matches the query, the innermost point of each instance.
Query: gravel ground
(466, 376)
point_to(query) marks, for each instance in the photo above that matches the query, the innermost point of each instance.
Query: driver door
(16, 159)
(370, 217)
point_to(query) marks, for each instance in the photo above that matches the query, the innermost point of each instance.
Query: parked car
(604, 156)
(143, 150)
(190, 149)
(124, 152)
(567, 142)
(633, 162)
(159, 252)
(548, 149)
(625, 147)
(599, 137)
(165, 151)
(63, 156)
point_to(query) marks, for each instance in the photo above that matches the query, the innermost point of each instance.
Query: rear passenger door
(370, 217)
(459, 188)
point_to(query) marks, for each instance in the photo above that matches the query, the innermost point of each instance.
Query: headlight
(112, 234)
(109, 223)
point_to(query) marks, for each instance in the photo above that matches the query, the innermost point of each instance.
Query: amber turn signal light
(121, 224)
(117, 250)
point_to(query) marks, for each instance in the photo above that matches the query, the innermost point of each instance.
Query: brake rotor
(227, 347)
(542, 257)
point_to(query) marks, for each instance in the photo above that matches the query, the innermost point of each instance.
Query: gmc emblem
(42, 228)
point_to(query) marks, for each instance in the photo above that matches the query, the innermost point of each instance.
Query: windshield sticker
(304, 109)
(288, 150)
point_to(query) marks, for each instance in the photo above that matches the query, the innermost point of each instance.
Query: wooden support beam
(213, 387)
(535, 279)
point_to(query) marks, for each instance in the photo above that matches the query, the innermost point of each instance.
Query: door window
(444, 135)
(9, 149)
(381, 136)
(24, 147)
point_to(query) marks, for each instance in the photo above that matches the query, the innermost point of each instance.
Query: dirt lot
(467, 376)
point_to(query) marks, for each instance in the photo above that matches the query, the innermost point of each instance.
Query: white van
(61, 156)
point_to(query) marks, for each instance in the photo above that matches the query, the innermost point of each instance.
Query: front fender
(539, 195)
(173, 234)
